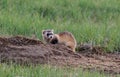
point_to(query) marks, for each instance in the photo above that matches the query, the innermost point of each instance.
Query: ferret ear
(52, 30)
(43, 31)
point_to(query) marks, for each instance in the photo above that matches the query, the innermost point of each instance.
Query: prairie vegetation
(90, 21)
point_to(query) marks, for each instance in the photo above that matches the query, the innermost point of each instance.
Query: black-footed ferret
(65, 38)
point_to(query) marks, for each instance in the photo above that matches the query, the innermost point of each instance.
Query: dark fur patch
(54, 41)
(48, 34)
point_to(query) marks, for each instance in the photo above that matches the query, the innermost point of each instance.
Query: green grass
(46, 71)
(95, 21)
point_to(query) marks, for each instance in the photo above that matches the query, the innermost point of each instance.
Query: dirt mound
(24, 50)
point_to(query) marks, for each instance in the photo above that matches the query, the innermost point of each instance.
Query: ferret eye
(48, 34)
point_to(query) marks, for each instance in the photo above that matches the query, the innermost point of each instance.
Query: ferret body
(65, 38)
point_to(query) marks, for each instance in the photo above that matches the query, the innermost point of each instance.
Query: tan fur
(67, 39)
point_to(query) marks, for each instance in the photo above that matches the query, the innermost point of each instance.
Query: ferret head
(47, 33)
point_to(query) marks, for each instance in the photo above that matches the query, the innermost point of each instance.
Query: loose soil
(27, 51)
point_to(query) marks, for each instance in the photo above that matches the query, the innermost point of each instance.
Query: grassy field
(91, 21)
(94, 21)
(46, 71)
